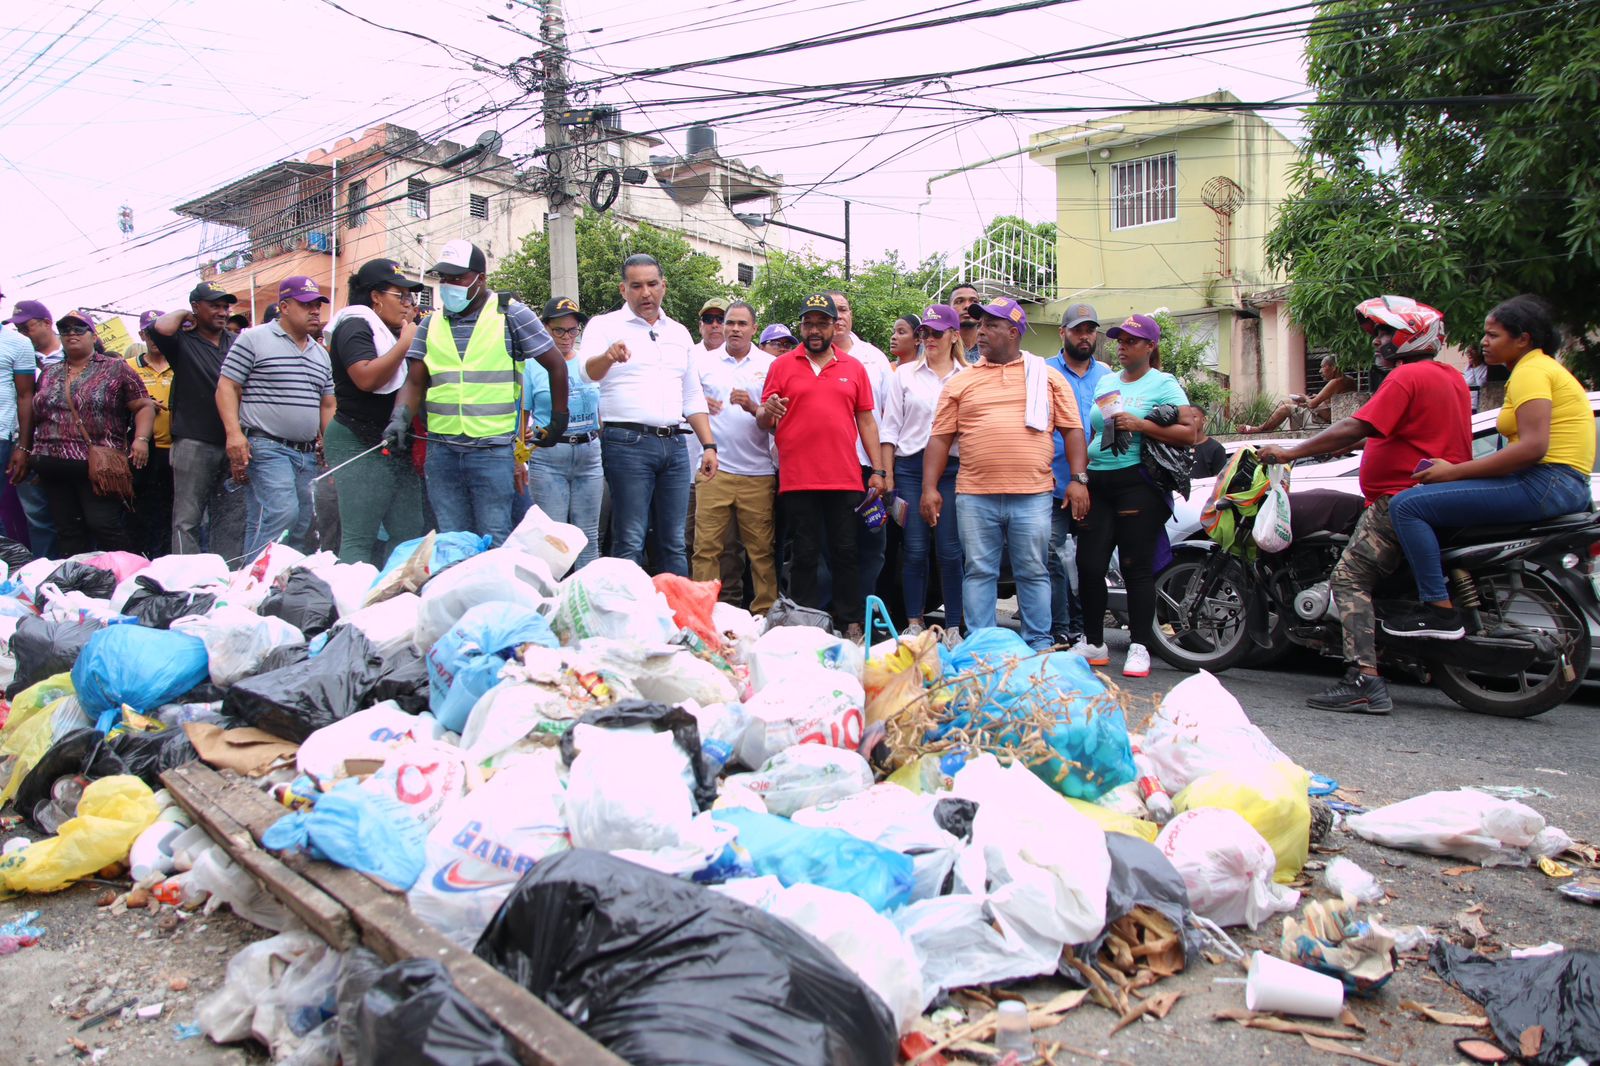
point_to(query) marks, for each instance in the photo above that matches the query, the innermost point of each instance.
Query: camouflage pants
(1372, 554)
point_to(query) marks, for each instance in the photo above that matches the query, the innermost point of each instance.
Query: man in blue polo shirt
(1080, 332)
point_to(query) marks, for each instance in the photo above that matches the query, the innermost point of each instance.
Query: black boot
(1358, 693)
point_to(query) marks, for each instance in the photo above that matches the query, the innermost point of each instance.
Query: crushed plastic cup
(1275, 985)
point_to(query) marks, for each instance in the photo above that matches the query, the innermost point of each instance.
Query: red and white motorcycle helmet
(1417, 327)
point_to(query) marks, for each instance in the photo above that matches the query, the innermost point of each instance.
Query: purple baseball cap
(1005, 309)
(1142, 327)
(776, 332)
(941, 318)
(76, 315)
(146, 318)
(300, 288)
(27, 311)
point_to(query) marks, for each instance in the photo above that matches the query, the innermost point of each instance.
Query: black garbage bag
(1140, 877)
(404, 680)
(15, 554)
(83, 753)
(296, 700)
(149, 755)
(786, 612)
(412, 1014)
(44, 648)
(663, 971)
(73, 576)
(1560, 992)
(157, 608)
(683, 726)
(302, 599)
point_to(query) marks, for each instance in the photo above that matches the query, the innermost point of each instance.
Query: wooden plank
(321, 913)
(540, 1035)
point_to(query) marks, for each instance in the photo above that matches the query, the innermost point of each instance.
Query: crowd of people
(774, 458)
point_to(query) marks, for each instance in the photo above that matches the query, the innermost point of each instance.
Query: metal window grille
(417, 197)
(425, 299)
(478, 207)
(1144, 191)
(356, 206)
(747, 274)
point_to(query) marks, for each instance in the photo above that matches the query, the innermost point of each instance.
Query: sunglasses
(708, 318)
(72, 331)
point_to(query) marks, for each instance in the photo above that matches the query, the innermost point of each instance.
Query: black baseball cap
(560, 307)
(820, 301)
(460, 257)
(210, 292)
(383, 274)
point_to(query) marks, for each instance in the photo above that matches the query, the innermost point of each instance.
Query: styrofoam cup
(1283, 986)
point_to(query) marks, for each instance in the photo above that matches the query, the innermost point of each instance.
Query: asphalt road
(1427, 743)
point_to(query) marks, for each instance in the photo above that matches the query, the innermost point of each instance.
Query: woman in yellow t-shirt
(1543, 471)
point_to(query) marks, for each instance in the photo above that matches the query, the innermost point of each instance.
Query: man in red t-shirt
(817, 401)
(1421, 411)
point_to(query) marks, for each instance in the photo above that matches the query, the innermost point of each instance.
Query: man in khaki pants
(746, 483)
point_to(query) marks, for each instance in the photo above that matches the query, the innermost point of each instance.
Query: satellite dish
(489, 141)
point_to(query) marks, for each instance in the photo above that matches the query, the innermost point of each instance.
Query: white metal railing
(1010, 261)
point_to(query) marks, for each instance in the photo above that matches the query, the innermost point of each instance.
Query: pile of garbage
(698, 834)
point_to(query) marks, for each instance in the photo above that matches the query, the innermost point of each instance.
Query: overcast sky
(151, 102)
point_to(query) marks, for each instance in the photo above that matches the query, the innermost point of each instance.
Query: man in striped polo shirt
(275, 396)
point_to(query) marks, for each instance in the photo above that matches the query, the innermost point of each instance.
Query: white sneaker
(1138, 662)
(952, 637)
(1095, 653)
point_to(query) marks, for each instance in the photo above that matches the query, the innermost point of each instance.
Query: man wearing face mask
(466, 379)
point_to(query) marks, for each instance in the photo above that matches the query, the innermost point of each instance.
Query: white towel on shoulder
(1036, 379)
(383, 339)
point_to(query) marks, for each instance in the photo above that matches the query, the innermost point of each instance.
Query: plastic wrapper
(612, 598)
(1333, 939)
(73, 576)
(412, 1014)
(1558, 993)
(497, 575)
(143, 668)
(1464, 824)
(692, 603)
(157, 608)
(297, 700)
(1271, 797)
(806, 775)
(112, 812)
(832, 858)
(489, 631)
(632, 714)
(1227, 867)
(484, 842)
(302, 599)
(666, 972)
(357, 829)
(238, 641)
(42, 648)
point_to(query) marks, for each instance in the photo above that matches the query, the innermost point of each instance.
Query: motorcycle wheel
(1217, 639)
(1531, 601)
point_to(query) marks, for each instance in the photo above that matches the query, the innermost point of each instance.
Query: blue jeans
(914, 542)
(649, 477)
(1066, 611)
(991, 524)
(567, 482)
(278, 495)
(41, 527)
(471, 487)
(1541, 491)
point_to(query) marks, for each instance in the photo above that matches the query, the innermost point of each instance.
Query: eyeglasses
(404, 297)
(565, 331)
(708, 318)
(72, 331)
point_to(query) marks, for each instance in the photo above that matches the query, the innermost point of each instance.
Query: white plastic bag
(557, 543)
(484, 843)
(227, 1014)
(31, 575)
(1349, 880)
(961, 941)
(389, 625)
(1227, 867)
(350, 582)
(422, 777)
(251, 585)
(895, 818)
(237, 640)
(612, 598)
(499, 574)
(664, 673)
(739, 628)
(369, 735)
(783, 651)
(175, 573)
(73, 606)
(1273, 532)
(512, 712)
(1464, 824)
(217, 878)
(814, 705)
(1200, 729)
(805, 775)
(628, 791)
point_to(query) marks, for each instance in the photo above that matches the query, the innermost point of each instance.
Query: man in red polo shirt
(818, 403)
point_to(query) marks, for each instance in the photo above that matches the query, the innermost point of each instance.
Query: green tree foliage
(1183, 355)
(603, 243)
(880, 291)
(1021, 267)
(1458, 205)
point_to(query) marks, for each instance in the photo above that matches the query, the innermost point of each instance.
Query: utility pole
(561, 220)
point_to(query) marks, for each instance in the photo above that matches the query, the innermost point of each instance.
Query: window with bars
(417, 197)
(425, 299)
(747, 274)
(356, 203)
(478, 207)
(1144, 191)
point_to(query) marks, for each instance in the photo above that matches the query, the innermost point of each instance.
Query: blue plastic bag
(141, 667)
(448, 550)
(1090, 737)
(465, 662)
(359, 830)
(832, 858)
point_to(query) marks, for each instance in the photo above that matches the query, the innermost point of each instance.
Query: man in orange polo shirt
(818, 402)
(1006, 411)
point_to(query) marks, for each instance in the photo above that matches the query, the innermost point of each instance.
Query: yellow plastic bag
(28, 732)
(111, 815)
(1115, 821)
(892, 682)
(1271, 797)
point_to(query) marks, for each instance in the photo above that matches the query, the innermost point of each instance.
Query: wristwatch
(880, 473)
(1081, 477)
(709, 447)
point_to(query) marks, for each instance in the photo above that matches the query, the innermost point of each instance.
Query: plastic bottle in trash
(1155, 797)
(1013, 1033)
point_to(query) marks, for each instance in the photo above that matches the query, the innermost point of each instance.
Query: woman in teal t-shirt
(1126, 509)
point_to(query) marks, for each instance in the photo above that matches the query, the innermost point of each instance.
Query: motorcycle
(1527, 595)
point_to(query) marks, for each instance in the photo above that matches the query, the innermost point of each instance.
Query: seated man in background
(1302, 413)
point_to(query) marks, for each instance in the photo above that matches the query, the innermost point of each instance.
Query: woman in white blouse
(904, 425)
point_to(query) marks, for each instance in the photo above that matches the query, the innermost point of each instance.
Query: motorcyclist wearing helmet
(1422, 411)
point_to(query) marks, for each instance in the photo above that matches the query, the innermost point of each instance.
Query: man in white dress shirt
(870, 543)
(643, 363)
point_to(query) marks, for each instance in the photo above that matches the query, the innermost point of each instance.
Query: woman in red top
(87, 398)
